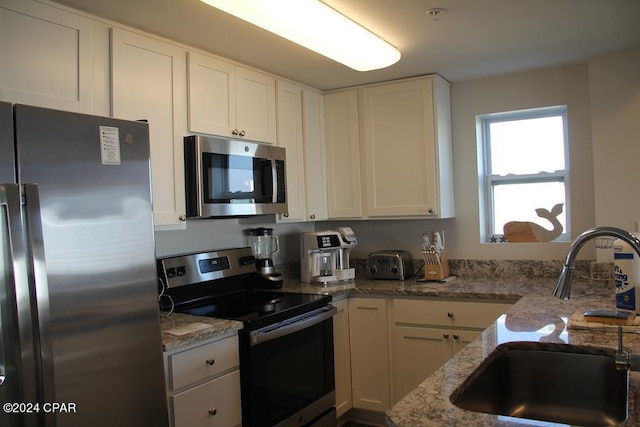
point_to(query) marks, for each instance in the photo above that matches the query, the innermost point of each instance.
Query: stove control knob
(247, 260)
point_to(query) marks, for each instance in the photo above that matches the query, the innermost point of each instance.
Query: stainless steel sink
(549, 382)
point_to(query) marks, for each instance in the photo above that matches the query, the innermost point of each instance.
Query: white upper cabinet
(290, 137)
(315, 155)
(149, 82)
(301, 133)
(229, 100)
(407, 148)
(344, 194)
(52, 58)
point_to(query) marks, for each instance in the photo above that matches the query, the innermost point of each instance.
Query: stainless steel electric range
(286, 343)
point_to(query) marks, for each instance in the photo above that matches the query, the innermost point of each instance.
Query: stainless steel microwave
(227, 177)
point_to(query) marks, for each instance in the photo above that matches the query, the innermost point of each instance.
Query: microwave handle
(274, 181)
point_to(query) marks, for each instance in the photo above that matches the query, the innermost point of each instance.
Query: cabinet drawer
(447, 313)
(202, 362)
(215, 403)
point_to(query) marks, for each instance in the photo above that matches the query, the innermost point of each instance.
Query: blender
(264, 244)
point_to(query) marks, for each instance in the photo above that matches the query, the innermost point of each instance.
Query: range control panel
(205, 266)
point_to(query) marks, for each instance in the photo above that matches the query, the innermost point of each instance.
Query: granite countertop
(181, 330)
(537, 316)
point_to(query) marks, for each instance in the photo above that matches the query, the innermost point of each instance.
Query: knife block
(437, 271)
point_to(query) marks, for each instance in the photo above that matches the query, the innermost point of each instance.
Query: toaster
(389, 264)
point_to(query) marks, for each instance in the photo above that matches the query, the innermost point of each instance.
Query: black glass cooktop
(259, 308)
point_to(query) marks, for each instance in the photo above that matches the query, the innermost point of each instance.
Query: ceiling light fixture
(435, 13)
(318, 27)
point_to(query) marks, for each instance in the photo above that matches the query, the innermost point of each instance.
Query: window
(526, 170)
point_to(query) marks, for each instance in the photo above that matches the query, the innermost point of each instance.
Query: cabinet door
(369, 353)
(451, 313)
(417, 353)
(315, 155)
(196, 364)
(215, 403)
(460, 338)
(212, 95)
(344, 194)
(49, 57)
(256, 105)
(400, 172)
(149, 82)
(290, 137)
(342, 356)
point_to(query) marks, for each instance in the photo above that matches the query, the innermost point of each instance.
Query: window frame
(491, 180)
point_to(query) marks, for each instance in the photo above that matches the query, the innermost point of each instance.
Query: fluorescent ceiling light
(316, 26)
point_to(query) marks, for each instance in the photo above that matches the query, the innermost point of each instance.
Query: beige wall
(567, 85)
(603, 105)
(615, 110)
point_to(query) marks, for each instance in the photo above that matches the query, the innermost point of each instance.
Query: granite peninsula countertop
(536, 316)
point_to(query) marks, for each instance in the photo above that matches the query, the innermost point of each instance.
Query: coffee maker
(325, 256)
(264, 244)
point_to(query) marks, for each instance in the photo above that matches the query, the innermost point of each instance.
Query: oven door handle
(278, 331)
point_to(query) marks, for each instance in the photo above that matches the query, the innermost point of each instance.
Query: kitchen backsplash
(503, 269)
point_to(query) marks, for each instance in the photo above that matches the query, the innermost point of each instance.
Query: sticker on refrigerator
(109, 145)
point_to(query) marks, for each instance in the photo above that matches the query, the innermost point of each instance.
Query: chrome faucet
(623, 359)
(563, 288)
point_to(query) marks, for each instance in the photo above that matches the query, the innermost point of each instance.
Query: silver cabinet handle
(235, 132)
(211, 361)
(456, 336)
(312, 216)
(445, 336)
(213, 412)
(241, 133)
(450, 314)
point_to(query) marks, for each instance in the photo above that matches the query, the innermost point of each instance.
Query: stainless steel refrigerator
(78, 291)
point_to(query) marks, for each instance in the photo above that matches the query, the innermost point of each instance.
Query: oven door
(287, 371)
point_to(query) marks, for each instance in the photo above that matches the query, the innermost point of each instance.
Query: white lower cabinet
(203, 384)
(419, 351)
(214, 403)
(342, 357)
(369, 345)
(426, 333)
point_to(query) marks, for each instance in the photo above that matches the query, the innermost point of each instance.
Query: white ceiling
(473, 38)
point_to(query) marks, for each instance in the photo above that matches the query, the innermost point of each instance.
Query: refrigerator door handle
(40, 293)
(15, 304)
